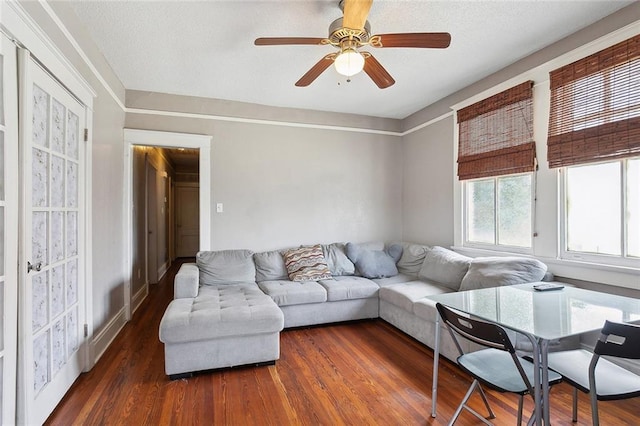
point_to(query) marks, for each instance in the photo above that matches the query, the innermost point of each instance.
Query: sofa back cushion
(487, 272)
(412, 258)
(270, 266)
(306, 264)
(444, 267)
(226, 267)
(337, 260)
(375, 263)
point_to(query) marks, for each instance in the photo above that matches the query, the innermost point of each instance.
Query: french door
(52, 236)
(8, 229)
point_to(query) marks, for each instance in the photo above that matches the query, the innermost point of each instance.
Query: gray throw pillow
(375, 263)
(485, 272)
(444, 267)
(270, 266)
(412, 258)
(226, 267)
(337, 260)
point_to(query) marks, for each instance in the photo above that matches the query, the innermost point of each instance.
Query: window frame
(502, 248)
(623, 260)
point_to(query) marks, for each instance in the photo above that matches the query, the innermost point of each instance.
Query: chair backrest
(619, 340)
(478, 331)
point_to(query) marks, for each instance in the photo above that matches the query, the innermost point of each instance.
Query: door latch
(37, 267)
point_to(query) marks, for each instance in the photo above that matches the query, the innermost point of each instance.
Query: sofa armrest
(187, 281)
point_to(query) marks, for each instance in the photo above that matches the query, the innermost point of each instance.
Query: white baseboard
(163, 269)
(103, 340)
(138, 298)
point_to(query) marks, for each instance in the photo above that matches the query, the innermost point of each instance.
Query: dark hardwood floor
(359, 373)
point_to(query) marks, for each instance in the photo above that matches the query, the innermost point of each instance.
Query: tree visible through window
(603, 209)
(499, 211)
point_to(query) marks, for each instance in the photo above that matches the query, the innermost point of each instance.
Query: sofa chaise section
(224, 323)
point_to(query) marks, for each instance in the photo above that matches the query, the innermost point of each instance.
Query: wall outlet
(219, 208)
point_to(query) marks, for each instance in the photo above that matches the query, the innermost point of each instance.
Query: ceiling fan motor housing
(338, 33)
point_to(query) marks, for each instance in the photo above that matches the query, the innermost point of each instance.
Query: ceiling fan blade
(355, 13)
(275, 41)
(316, 70)
(378, 74)
(428, 40)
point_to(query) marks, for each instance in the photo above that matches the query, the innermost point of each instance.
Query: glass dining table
(541, 316)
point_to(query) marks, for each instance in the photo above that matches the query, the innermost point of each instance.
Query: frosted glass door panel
(54, 223)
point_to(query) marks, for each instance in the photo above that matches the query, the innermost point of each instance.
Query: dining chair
(497, 366)
(600, 378)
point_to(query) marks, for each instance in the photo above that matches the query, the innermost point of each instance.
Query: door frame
(150, 224)
(134, 137)
(11, 240)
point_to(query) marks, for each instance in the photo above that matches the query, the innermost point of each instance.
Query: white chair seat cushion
(611, 379)
(497, 368)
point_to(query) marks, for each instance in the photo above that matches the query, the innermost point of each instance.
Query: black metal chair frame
(495, 338)
(617, 340)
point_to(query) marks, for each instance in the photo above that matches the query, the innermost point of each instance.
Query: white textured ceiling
(205, 48)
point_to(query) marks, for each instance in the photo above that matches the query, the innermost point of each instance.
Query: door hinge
(86, 330)
(86, 135)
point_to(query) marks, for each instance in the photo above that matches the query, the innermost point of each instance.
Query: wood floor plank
(357, 373)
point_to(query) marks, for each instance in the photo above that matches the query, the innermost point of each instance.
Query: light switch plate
(219, 208)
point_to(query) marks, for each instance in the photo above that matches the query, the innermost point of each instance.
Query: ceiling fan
(350, 34)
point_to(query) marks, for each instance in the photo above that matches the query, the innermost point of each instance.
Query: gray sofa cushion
(375, 263)
(186, 282)
(226, 267)
(337, 260)
(487, 272)
(347, 288)
(405, 295)
(219, 311)
(270, 266)
(396, 279)
(285, 292)
(412, 258)
(445, 267)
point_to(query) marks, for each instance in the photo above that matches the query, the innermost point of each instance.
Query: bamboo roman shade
(595, 107)
(496, 135)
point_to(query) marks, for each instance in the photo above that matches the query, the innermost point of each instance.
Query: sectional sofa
(230, 306)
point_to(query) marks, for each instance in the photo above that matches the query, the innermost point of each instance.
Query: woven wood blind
(595, 107)
(496, 135)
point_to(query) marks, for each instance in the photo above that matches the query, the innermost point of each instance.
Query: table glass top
(544, 314)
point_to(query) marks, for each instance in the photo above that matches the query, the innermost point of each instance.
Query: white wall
(284, 186)
(428, 158)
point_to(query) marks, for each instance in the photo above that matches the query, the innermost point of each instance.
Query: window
(594, 137)
(498, 212)
(496, 158)
(602, 212)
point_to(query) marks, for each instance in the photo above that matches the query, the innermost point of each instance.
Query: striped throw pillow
(306, 264)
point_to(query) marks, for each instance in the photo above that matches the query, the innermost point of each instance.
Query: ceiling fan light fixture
(349, 62)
